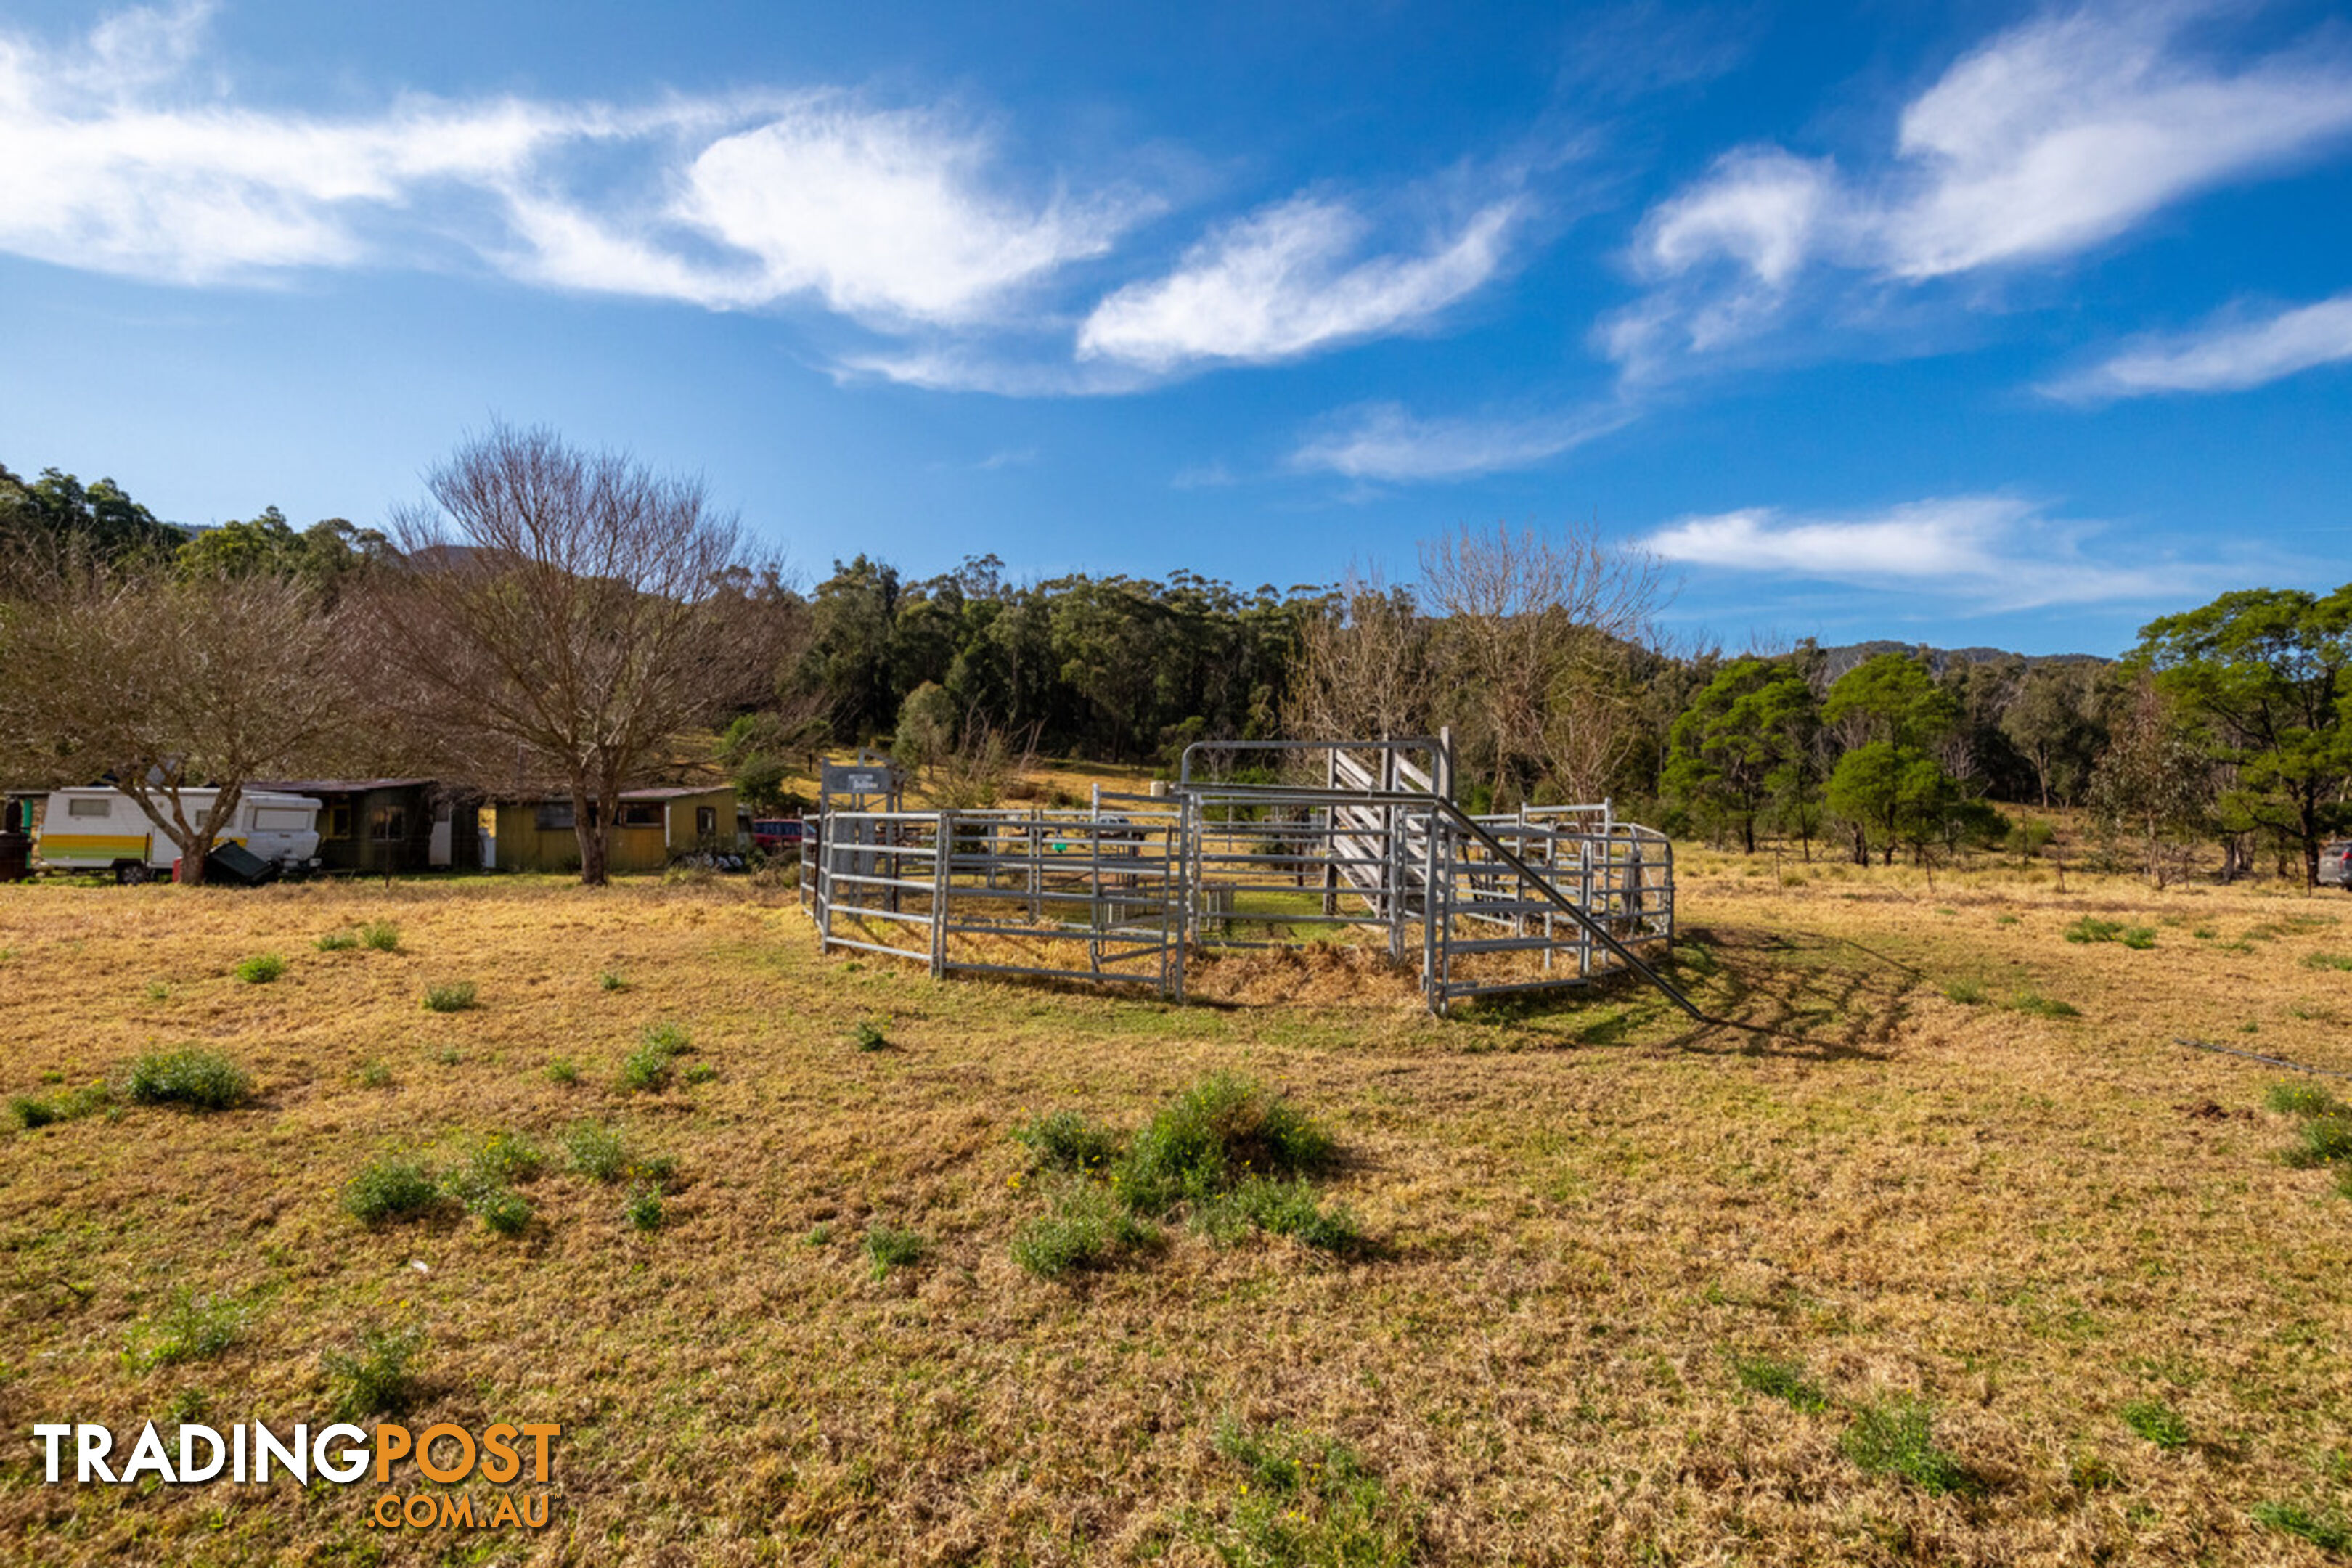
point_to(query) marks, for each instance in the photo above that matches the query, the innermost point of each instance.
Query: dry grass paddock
(1603, 1247)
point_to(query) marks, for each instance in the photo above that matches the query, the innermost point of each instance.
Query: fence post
(943, 850)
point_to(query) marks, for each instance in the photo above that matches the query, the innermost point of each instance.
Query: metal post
(942, 850)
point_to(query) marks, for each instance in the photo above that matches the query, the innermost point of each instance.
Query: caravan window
(89, 808)
(639, 814)
(280, 819)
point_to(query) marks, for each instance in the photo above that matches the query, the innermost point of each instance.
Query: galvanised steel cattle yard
(1119, 891)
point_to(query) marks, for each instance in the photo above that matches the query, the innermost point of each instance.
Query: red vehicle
(771, 834)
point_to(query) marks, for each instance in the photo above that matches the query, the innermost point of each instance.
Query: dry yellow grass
(1582, 1210)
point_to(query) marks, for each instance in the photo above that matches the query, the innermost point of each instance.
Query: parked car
(104, 830)
(2336, 864)
(772, 834)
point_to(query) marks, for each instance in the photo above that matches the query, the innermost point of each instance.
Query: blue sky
(1959, 323)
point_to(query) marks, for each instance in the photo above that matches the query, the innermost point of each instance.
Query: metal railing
(1120, 891)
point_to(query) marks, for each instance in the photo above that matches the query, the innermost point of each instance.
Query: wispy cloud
(1289, 280)
(122, 156)
(2053, 137)
(2230, 353)
(1384, 442)
(1985, 551)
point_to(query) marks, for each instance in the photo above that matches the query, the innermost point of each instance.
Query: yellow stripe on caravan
(92, 844)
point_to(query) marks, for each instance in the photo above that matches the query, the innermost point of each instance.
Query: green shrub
(1089, 1228)
(192, 1328)
(887, 1248)
(2297, 1099)
(643, 1209)
(390, 1189)
(1897, 1436)
(1212, 1135)
(337, 941)
(1066, 1140)
(2328, 1531)
(260, 969)
(379, 936)
(2156, 1421)
(190, 1076)
(373, 1377)
(1781, 1380)
(453, 997)
(870, 1035)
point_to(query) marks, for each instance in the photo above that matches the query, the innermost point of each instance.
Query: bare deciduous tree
(169, 687)
(1535, 632)
(563, 619)
(1363, 668)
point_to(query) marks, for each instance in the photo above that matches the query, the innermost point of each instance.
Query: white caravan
(103, 829)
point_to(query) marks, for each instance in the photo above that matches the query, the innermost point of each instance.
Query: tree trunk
(590, 828)
(192, 861)
(1747, 830)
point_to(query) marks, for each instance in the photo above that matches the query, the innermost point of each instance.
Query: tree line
(557, 619)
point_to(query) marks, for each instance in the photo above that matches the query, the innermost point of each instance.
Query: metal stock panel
(1120, 890)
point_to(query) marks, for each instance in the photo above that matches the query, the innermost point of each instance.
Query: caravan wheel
(131, 875)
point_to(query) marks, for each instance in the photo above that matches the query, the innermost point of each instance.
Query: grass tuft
(374, 1073)
(1280, 1208)
(2326, 960)
(1303, 1499)
(379, 936)
(1066, 1140)
(454, 997)
(391, 1189)
(1089, 1228)
(2041, 1007)
(1781, 1380)
(870, 1035)
(192, 1328)
(2328, 1530)
(337, 941)
(1967, 992)
(373, 1378)
(2327, 1141)
(1897, 1436)
(643, 1209)
(596, 1152)
(2157, 1422)
(31, 1110)
(260, 969)
(1213, 1136)
(887, 1248)
(648, 1067)
(2297, 1099)
(191, 1076)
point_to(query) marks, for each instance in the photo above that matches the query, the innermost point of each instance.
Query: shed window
(336, 822)
(554, 814)
(388, 824)
(706, 820)
(89, 808)
(638, 813)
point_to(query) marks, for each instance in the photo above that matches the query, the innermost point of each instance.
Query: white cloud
(2229, 355)
(2055, 136)
(1383, 441)
(1998, 553)
(118, 158)
(1280, 284)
